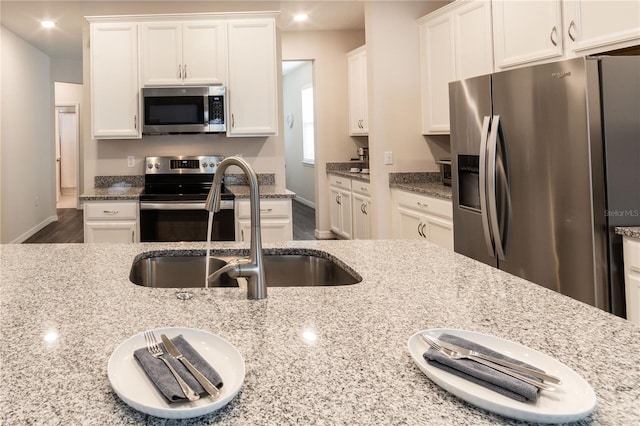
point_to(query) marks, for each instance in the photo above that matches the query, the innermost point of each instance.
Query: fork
(156, 351)
(457, 355)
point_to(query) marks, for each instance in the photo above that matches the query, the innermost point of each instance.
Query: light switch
(388, 157)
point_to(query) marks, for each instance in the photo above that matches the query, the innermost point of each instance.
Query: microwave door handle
(488, 239)
(205, 103)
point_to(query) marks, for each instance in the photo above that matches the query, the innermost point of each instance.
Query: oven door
(184, 221)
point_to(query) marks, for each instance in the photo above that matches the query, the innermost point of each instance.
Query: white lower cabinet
(631, 247)
(421, 216)
(340, 206)
(276, 222)
(361, 207)
(111, 222)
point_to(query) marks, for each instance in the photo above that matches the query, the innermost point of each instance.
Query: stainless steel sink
(297, 268)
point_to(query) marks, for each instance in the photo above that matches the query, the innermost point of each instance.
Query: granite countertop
(66, 307)
(112, 193)
(629, 231)
(362, 177)
(427, 183)
(266, 191)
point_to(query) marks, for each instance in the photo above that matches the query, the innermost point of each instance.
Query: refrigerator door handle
(488, 239)
(500, 239)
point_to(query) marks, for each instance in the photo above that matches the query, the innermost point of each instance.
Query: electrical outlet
(131, 161)
(36, 201)
(388, 157)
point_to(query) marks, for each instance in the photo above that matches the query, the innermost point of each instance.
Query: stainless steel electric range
(172, 203)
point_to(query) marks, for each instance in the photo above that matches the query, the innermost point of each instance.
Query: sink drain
(184, 295)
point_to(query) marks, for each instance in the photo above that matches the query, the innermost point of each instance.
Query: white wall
(28, 166)
(300, 177)
(393, 79)
(327, 49)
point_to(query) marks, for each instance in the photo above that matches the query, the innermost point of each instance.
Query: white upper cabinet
(358, 108)
(252, 86)
(175, 53)
(526, 31)
(455, 43)
(592, 26)
(472, 39)
(114, 81)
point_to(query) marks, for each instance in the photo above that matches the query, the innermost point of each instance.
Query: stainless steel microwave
(184, 109)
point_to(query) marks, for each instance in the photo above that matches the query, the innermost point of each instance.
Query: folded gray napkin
(481, 374)
(162, 377)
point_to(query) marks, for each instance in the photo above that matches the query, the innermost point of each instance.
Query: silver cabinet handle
(424, 225)
(133, 236)
(135, 122)
(242, 235)
(571, 25)
(554, 32)
(420, 228)
(339, 198)
(266, 210)
(233, 120)
(110, 212)
(421, 204)
(185, 71)
(339, 182)
(180, 72)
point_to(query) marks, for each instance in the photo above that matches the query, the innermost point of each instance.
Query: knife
(516, 367)
(175, 352)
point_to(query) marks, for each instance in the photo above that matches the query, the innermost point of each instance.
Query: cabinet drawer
(362, 188)
(340, 182)
(268, 208)
(632, 253)
(111, 210)
(423, 203)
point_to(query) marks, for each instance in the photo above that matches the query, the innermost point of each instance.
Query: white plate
(571, 401)
(133, 386)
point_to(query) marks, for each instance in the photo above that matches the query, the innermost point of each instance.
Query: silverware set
(156, 351)
(456, 352)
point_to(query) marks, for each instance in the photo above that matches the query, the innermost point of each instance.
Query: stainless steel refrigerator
(546, 162)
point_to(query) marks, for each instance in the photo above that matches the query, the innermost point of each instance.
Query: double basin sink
(283, 268)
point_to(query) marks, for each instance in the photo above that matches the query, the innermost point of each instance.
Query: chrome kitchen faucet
(253, 269)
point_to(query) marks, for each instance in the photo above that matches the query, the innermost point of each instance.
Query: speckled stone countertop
(266, 191)
(343, 169)
(357, 372)
(112, 193)
(427, 183)
(629, 231)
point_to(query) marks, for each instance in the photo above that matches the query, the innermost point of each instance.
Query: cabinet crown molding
(184, 16)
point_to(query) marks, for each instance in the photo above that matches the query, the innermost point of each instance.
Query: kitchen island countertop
(66, 307)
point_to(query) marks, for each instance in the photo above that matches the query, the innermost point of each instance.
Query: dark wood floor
(68, 228)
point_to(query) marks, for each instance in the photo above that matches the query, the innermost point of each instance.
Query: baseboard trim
(24, 237)
(305, 202)
(324, 235)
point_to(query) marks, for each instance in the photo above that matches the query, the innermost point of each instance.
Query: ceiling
(65, 40)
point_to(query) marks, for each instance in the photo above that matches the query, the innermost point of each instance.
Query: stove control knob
(157, 165)
(149, 166)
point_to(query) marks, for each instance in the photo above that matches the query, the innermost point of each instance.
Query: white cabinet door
(110, 222)
(410, 224)
(204, 52)
(340, 207)
(472, 39)
(252, 88)
(437, 69)
(110, 232)
(161, 54)
(175, 53)
(631, 247)
(438, 231)
(591, 26)
(361, 206)
(276, 221)
(526, 31)
(358, 108)
(114, 81)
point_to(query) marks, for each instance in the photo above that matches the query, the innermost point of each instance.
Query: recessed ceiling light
(300, 17)
(48, 24)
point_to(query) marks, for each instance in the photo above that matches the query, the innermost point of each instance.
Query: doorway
(67, 136)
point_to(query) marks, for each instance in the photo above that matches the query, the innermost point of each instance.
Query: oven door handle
(224, 205)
